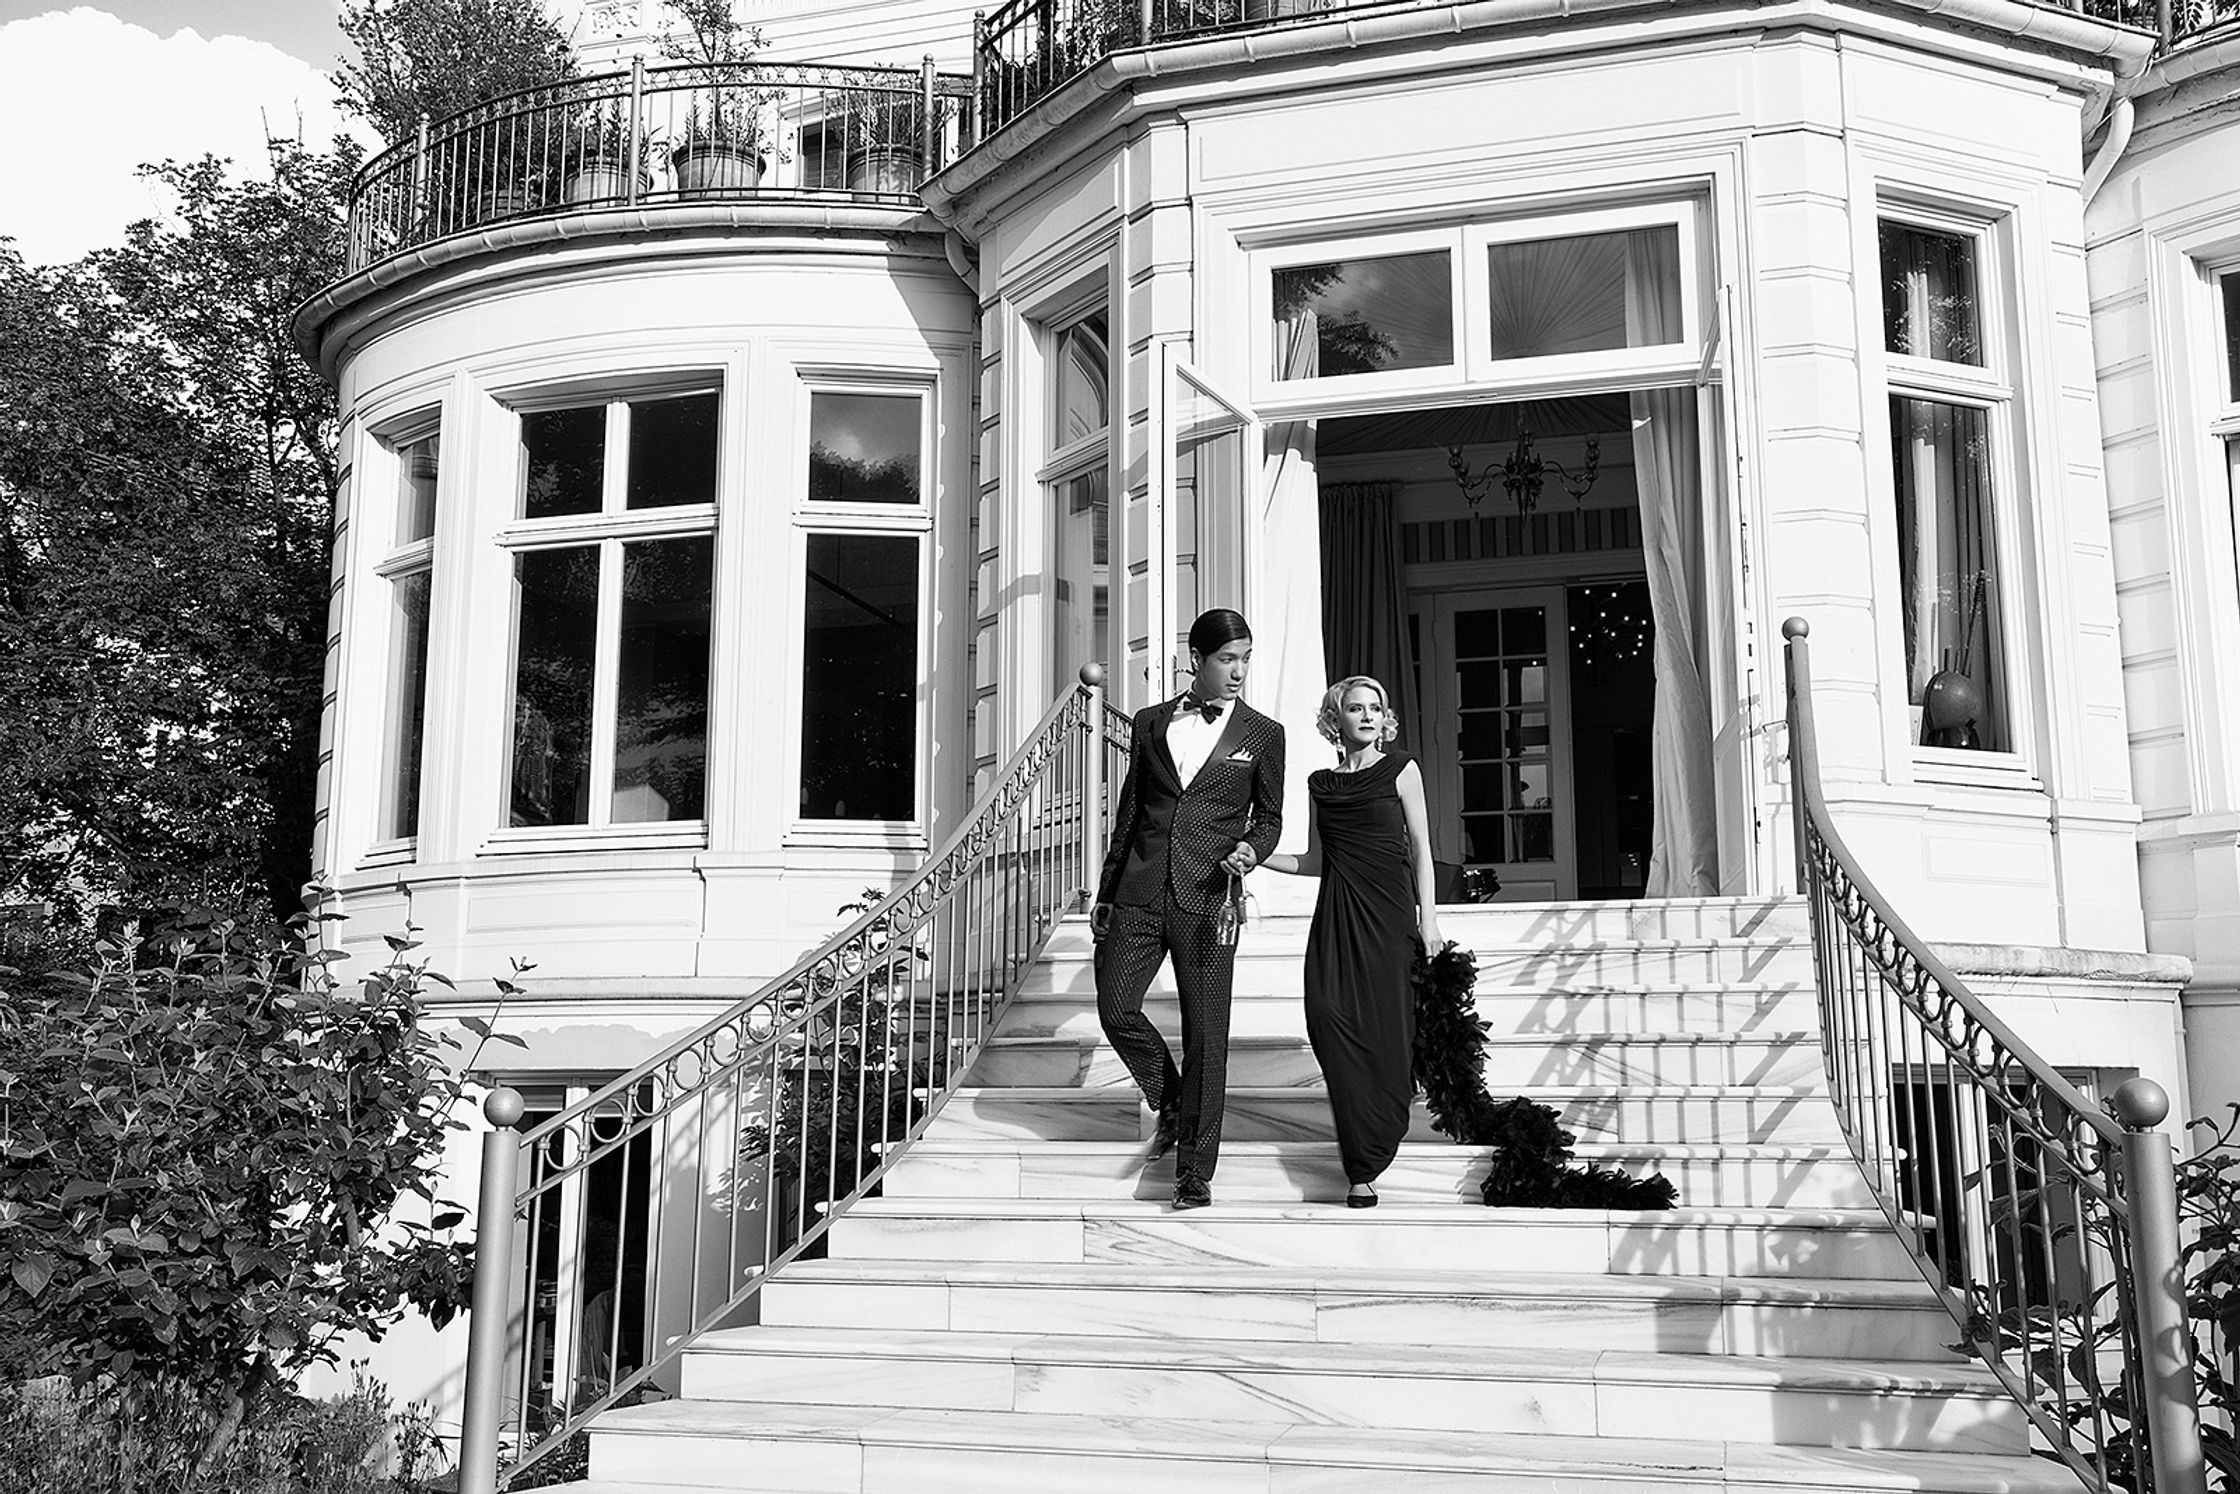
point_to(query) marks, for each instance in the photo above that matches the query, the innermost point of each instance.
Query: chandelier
(1523, 473)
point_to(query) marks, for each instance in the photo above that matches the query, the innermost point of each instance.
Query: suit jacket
(1166, 835)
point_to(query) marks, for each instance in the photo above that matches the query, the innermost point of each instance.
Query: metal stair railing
(655, 1209)
(2047, 1229)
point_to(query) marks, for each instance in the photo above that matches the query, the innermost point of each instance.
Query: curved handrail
(2033, 1214)
(687, 132)
(729, 1151)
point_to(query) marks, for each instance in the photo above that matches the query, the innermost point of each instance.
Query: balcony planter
(601, 178)
(894, 169)
(709, 166)
(886, 145)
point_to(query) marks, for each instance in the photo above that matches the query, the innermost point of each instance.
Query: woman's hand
(1427, 928)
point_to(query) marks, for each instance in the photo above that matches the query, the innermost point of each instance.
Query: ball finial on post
(2140, 1104)
(1795, 628)
(1092, 675)
(504, 1107)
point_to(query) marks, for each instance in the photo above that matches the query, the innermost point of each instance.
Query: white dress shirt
(1190, 739)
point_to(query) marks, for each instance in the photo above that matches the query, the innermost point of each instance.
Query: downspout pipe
(960, 260)
(2120, 120)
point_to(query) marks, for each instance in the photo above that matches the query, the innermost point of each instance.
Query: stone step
(1308, 1171)
(1583, 1010)
(764, 1448)
(1487, 1306)
(1674, 1114)
(1609, 922)
(1545, 1390)
(1848, 1244)
(1270, 966)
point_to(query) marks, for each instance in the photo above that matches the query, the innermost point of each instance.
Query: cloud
(89, 98)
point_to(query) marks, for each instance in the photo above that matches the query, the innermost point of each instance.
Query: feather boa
(1532, 1166)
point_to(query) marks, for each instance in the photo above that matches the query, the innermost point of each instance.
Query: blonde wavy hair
(1334, 699)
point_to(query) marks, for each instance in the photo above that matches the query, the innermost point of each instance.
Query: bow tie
(1210, 709)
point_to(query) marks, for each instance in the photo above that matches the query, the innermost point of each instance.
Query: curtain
(1946, 569)
(1288, 620)
(1364, 601)
(1684, 836)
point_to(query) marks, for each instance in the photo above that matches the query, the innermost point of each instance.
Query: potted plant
(886, 144)
(719, 147)
(596, 158)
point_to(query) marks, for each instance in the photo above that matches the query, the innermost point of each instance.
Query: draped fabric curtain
(1684, 839)
(1364, 601)
(1288, 614)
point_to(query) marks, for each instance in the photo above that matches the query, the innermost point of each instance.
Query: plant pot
(501, 202)
(603, 179)
(897, 170)
(1273, 10)
(712, 167)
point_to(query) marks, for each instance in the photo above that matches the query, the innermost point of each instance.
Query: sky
(92, 91)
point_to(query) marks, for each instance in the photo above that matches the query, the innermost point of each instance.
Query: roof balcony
(626, 148)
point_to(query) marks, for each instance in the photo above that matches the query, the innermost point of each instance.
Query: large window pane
(863, 448)
(1084, 377)
(859, 686)
(563, 461)
(2229, 285)
(661, 682)
(416, 488)
(1948, 573)
(1081, 573)
(672, 451)
(1585, 293)
(557, 632)
(1364, 316)
(1929, 291)
(408, 705)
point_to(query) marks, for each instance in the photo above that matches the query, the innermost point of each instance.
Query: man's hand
(1100, 919)
(1240, 860)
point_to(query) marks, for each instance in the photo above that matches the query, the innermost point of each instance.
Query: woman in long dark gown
(1369, 841)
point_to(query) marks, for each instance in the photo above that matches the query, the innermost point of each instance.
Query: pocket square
(1239, 756)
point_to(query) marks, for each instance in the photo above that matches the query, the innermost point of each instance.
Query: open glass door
(1213, 445)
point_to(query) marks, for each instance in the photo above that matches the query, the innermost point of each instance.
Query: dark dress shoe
(1362, 1200)
(1190, 1190)
(1164, 1133)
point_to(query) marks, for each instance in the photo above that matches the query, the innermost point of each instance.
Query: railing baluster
(1992, 1148)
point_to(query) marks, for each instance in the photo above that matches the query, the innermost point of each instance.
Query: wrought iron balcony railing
(614, 1233)
(648, 136)
(2047, 1226)
(1026, 49)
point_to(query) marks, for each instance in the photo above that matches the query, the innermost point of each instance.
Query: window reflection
(1360, 316)
(408, 706)
(563, 461)
(417, 464)
(859, 686)
(1084, 364)
(558, 595)
(1948, 573)
(672, 451)
(1929, 294)
(661, 681)
(2230, 285)
(864, 448)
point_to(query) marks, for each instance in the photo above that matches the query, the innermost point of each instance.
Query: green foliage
(57, 1437)
(166, 473)
(1532, 1166)
(709, 31)
(207, 1142)
(441, 57)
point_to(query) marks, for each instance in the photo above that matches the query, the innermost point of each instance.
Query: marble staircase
(1021, 1310)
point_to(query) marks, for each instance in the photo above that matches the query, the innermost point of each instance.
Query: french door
(1496, 737)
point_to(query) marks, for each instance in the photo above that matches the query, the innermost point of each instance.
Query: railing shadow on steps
(738, 1144)
(2048, 1230)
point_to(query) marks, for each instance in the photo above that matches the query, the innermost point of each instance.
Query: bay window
(613, 566)
(1077, 488)
(865, 523)
(408, 567)
(1948, 403)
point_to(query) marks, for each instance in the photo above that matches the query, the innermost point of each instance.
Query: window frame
(1395, 243)
(1992, 387)
(607, 529)
(809, 518)
(398, 560)
(1065, 463)
(1681, 214)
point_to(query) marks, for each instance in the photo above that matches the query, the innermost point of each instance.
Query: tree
(167, 470)
(439, 57)
(206, 1140)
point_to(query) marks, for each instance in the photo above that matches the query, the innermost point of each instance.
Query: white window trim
(383, 460)
(1990, 387)
(1267, 389)
(916, 386)
(607, 528)
(1682, 215)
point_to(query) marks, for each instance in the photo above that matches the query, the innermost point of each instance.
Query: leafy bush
(88, 1441)
(206, 1139)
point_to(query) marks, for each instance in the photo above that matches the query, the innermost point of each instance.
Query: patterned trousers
(1136, 941)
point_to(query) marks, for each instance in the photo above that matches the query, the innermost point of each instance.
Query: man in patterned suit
(1201, 805)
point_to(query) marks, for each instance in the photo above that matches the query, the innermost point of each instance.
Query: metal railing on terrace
(1026, 49)
(646, 136)
(616, 1231)
(2046, 1224)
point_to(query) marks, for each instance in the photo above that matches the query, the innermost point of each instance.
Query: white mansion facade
(704, 543)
